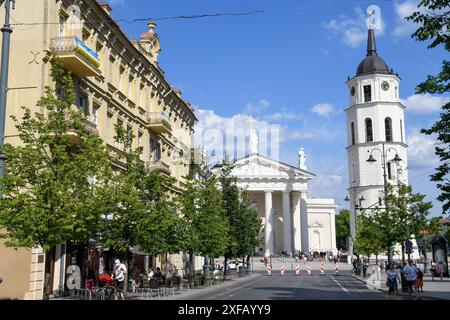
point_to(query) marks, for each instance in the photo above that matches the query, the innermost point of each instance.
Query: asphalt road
(291, 287)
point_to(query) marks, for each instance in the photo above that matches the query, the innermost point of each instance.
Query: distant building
(117, 81)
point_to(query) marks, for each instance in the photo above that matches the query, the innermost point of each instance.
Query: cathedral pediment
(261, 167)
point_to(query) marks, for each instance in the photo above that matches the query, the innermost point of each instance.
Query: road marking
(235, 289)
(339, 285)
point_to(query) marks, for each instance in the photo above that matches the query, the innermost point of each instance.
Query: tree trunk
(403, 253)
(191, 268)
(47, 273)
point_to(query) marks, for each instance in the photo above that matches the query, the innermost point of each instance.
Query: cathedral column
(296, 222)
(304, 222)
(287, 223)
(268, 237)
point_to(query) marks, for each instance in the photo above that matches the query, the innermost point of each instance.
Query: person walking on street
(411, 272)
(440, 269)
(433, 270)
(392, 281)
(419, 281)
(120, 270)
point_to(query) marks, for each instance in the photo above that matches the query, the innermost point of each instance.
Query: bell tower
(376, 146)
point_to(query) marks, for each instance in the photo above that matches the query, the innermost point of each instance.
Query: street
(289, 286)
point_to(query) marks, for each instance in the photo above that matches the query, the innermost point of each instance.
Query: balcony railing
(76, 56)
(159, 122)
(158, 165)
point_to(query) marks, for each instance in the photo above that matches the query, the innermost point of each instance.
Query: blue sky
(287, 68)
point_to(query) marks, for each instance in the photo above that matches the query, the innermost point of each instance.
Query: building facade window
(108, 126)
(139, 139)
(352, 128)
(82, 102)
(369, 130)
(62, 26)
(388, 129)
(367, 93)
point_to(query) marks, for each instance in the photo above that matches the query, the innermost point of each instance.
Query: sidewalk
(432, 290)
(189, 294)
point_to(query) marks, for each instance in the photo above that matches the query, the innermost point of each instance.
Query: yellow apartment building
(117, 80)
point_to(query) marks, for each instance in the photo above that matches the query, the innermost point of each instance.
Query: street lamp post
(6, 31)
(356, 208)
(396, 158)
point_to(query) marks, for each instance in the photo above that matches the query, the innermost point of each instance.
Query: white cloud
(229, 135)
(424, 103)
(323, 109)
(255, 109)
(284, 114)
(300, 136)
(421, 149)
(351, 31)
(402, 10)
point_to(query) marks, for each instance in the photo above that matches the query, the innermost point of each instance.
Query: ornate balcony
(158, 165)
(76, 56)
(159, 122)
(74, 137)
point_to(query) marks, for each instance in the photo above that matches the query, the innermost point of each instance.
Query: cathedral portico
(278, 192)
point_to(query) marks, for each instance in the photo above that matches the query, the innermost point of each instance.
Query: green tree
(406, 216)
(142, 209)
(249, 228)
(368, 239)
(56, 178)
(342, 228)
(244, 224)
(433, 17)
(231, 210)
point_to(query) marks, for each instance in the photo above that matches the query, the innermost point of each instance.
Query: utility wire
(196, 16)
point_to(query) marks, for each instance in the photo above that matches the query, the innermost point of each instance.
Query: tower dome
(372, 63)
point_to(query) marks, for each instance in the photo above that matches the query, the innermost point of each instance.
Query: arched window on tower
(388, 129)
(353, 132)
(369, 131)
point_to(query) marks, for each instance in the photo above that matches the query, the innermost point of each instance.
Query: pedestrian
(391, 281)
(410, 272)
(150, 273)
(136, 282)
(120, 270)
(433, 270)
(440, 268)
(158, 274)
(419, 280)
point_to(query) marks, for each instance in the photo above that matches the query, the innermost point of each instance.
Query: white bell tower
(375, 132)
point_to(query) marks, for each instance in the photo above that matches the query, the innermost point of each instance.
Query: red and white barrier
(269, 271)
(297, 270)
(322, 269)
(336, 269)
(309, 269)
(282, 269)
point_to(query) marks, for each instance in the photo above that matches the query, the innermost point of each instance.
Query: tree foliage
(368, 239)
(406, 216)
(56, 177)
(433, 17)
(141, 209)
(342, 228)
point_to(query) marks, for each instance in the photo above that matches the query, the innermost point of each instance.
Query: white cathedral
(377, 150)
(293, 223)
